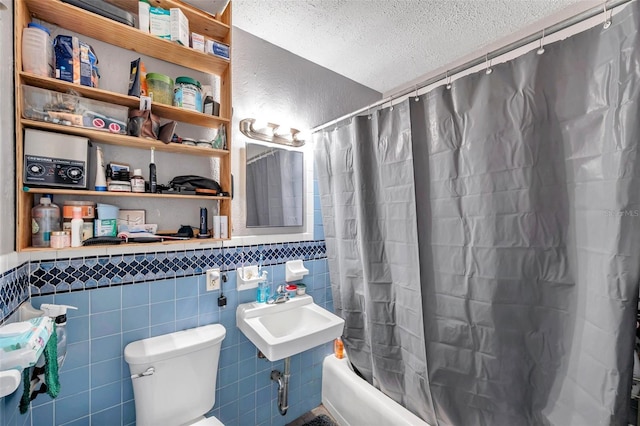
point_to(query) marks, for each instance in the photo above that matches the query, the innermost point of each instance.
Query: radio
(55, 160)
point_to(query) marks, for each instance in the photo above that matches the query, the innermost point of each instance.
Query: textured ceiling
(384, 44)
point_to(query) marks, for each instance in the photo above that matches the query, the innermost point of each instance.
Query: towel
(43, 377)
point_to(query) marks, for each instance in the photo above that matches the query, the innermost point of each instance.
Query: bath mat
(321, 420)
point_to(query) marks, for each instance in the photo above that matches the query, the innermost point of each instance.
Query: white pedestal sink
(285, 329)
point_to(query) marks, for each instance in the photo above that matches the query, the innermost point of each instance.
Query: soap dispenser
(59, 315)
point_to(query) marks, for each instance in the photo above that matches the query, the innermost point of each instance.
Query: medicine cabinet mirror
(275, 178)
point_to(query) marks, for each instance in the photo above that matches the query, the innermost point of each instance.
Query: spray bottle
(59, 315)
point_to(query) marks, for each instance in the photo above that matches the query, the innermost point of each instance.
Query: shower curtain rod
(562, 25)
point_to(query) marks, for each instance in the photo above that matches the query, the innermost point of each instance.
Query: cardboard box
(197, 42)
(220, 227)
(105, 228)
(179, 26)
(160, 22)
(216, 48)
(224, 226)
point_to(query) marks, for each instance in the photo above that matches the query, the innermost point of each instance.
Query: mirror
(274, 186)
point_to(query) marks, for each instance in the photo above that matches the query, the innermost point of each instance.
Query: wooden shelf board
(125, 140)
(165, 111)
(163, 243)
(130, 38)
(200, 22)
(59, 191)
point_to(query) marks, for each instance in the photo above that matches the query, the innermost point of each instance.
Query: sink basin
(288, 328)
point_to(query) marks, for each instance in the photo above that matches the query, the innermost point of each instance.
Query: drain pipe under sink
(283, 385)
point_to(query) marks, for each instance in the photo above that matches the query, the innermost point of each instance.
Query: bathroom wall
(95, 384)
(126, 294)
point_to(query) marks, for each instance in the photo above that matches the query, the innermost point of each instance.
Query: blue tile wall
(124, 298)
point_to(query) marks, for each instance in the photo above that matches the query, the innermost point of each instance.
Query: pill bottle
(338, 348)
(137, 181)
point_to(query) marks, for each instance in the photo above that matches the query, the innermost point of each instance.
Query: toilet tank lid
(173, 344)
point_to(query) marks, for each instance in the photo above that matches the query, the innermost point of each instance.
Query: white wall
(7, 167)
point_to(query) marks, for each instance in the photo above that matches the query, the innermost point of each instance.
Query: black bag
(191, 182)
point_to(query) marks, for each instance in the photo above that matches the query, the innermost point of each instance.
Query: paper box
(179, 26)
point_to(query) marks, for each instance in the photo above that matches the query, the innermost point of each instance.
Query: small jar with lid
(60, 239)
(187, 94)
(137, 181)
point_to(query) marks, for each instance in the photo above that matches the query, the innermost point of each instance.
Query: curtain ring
(488, 63)
(390, 103)
(416, 96)
(369, 113)
(540, 50)
(607, 20)
(448, 80)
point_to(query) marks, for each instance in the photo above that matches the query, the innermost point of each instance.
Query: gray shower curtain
(484, 241)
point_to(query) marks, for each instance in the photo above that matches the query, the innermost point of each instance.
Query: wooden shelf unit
(122, 36)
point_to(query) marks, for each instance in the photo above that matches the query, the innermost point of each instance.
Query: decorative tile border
(44, 277)
(14, 289)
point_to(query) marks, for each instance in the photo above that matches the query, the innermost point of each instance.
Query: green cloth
(51, 364)
(50, 374)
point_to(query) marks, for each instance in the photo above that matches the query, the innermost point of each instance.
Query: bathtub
(354, 402)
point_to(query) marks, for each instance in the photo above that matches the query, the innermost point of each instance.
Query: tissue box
(179, 26)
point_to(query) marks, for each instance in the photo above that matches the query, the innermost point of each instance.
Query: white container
(37, 50)
(143, 15)
(160, 22)
(76, 227)
(179, 26)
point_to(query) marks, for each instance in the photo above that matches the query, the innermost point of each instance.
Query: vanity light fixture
(269, 132)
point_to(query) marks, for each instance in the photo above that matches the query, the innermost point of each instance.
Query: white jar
(37, 50)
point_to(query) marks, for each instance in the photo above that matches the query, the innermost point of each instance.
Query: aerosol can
(59, 315)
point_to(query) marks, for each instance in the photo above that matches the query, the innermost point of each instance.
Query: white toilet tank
(179, 381)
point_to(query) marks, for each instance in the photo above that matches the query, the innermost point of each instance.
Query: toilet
(174, 376)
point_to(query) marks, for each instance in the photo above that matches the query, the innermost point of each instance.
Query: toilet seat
(207, 421)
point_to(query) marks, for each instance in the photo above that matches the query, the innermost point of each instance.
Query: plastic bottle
(338, 348)
(59, 315)
(37, 50)
(101, 179)
(45, 219)
(76, 227)
(137, 181)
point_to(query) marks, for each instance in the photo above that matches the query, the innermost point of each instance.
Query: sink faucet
(281, 295)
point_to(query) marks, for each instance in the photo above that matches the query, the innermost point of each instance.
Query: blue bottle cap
(40, 27)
